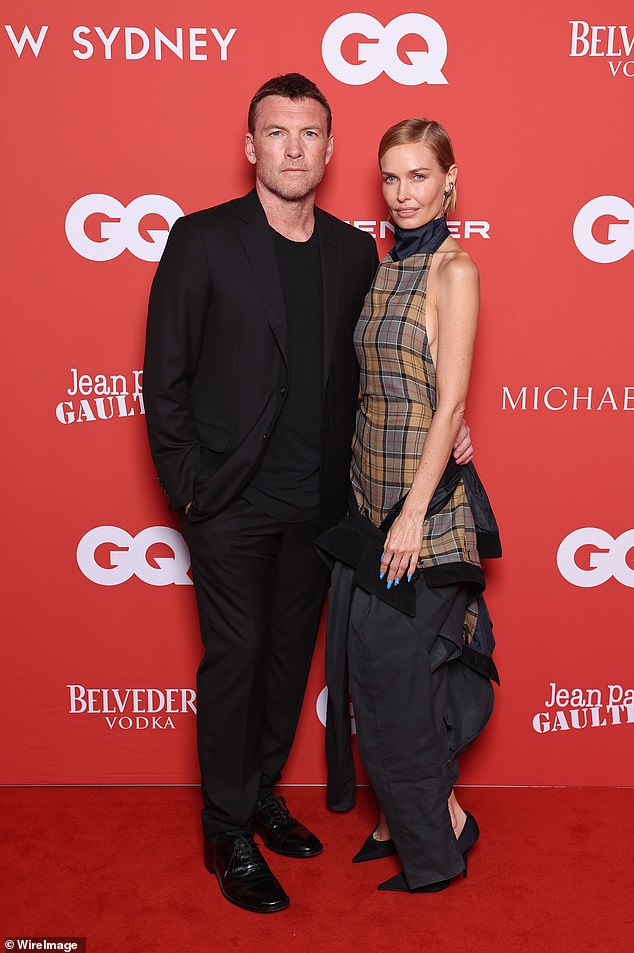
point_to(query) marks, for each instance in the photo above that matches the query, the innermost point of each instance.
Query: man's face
(290, 147)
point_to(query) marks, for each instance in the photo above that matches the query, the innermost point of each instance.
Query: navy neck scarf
(419, 241)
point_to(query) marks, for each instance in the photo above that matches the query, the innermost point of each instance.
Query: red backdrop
(123, 114)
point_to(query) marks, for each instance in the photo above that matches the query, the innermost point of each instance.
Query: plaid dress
(398, 391)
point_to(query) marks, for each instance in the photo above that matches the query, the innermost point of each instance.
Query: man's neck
(292, 218)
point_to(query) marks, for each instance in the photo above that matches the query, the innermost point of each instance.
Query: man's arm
(177, 312)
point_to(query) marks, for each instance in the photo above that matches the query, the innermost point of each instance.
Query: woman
(407, 578)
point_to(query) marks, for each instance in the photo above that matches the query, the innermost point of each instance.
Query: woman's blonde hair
(434, 136)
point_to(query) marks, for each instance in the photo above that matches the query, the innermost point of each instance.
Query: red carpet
(122, 866)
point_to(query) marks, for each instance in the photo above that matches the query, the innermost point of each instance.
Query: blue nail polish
(389, 584)
(381, 574)
(396, 582)
(409, 576)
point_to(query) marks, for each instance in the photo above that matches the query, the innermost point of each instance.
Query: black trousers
(398, 681)
(260, 587)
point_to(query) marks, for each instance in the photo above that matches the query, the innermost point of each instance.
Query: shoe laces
(246, 852)
(277, 809)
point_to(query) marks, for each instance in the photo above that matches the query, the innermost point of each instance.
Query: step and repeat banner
(120, 117)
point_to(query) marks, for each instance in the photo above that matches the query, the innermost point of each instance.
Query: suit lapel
(258, 245)
(331, 277)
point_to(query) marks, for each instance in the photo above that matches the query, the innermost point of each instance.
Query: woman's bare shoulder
(456, 268)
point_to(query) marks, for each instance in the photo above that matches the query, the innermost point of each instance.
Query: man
(250, 385)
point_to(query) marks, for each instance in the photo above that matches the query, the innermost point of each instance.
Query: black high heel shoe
(398, 882)
(374, 849)
(468, 836)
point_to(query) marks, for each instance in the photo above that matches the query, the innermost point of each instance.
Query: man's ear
(329, 148)
(249, 148)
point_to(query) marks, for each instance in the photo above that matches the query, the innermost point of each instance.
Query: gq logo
(620, 230)
(379, 53)
(127, 556)
(607, 558)
(120, 226)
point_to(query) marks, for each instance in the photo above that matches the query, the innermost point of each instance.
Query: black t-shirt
(286, 484)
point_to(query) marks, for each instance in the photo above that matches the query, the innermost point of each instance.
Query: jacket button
(282, 390)
(264, 436)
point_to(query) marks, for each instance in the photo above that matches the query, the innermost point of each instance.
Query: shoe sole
(273, 908)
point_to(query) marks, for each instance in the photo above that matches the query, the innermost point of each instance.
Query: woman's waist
(395, 412)
(404, 393)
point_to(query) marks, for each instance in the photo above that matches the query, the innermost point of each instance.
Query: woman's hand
(404, 540)
(463, 448)
(402, 548)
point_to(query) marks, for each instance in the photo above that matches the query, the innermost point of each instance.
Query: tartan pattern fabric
(398, 391)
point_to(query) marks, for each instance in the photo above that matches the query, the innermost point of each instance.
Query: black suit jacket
(216, 361)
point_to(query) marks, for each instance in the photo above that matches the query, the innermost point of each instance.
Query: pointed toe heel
(374, 849)
(398, 882)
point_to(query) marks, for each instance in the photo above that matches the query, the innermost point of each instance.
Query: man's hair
(292, 86)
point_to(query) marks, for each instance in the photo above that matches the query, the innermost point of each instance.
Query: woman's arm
(457, 302)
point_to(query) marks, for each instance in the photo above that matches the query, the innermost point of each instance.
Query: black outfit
(222, 360)
(286, 483)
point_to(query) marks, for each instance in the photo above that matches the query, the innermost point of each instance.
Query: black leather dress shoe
(244, 876)
(281, 832)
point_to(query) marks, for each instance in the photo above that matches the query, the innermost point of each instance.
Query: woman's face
(414, 185)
